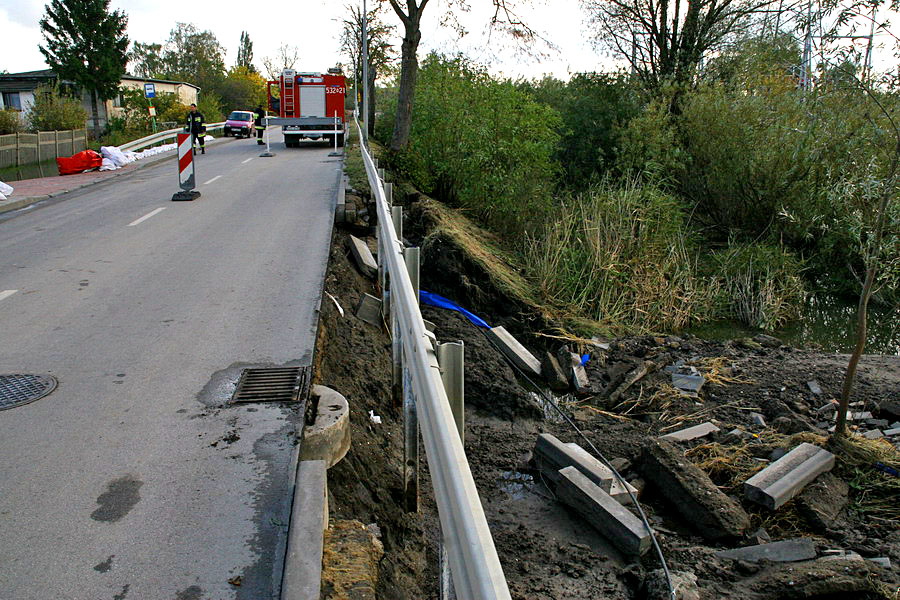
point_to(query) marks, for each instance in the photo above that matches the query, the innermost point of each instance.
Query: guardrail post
(396, 342)
(411, 256)
(450, 356)
(397, 218)
(381, 175)
(389, 193)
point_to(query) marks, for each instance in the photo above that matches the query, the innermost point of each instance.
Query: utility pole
(365, 53)
(867, 64)
(805, 80)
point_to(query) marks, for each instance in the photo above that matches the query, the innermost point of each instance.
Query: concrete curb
(309, 519)
(29, 200)
(328, 438)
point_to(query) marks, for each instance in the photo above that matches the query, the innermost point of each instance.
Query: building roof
(151, 80)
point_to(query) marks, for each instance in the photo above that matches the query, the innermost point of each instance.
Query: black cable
(599, 455)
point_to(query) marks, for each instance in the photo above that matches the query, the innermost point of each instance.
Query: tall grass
(623, 257)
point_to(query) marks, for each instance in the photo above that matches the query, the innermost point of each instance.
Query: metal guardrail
(474, 565)
(161, 136)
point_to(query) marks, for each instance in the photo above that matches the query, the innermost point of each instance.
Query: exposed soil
(548, 551)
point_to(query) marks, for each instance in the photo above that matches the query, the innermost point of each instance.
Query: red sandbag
(83, 161)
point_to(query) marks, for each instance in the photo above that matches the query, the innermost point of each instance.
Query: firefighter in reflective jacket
(196, 127)
(260, 124)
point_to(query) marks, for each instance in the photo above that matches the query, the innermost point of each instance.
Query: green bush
(54, 111)
(593, 107)
(9, 121)
(484, 145)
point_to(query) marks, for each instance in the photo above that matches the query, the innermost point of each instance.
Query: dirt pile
(547, 550)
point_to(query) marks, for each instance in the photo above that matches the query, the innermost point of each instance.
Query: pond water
(827, 322)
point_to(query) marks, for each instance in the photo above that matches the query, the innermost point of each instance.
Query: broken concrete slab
(516, 352)
(786, 477)
(580, 380)
(551, 455)
(758, 419)
(874, 434)
(369, 310)
(822, 501)
(639, 372)
(554, 373)
(691, 491)
(793, 550)
(363, 257)
(814, 387)
(690, 433)
(623, 529)
(878, 423)
(892, 432)
(690, 384)
(884, 561)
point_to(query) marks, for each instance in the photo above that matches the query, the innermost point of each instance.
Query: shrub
(485, 145)
(10, 121)
(54, 111)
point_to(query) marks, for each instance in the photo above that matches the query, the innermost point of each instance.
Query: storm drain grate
(18, 389)
(271, 385)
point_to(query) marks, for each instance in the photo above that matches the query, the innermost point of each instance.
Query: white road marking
(7, 293)
(244, 162)
(211, 180)
(147, 216)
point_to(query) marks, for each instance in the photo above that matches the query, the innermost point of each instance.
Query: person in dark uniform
(197, 128)
(260, 123)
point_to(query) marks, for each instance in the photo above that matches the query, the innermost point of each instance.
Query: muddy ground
(547, 550)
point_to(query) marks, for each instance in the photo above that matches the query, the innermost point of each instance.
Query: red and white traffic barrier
(186, 174)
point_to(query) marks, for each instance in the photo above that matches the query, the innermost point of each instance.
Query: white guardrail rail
(474, 566)
(162, 136)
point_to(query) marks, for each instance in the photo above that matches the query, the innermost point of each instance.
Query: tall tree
(195, 57)
(665, 40)
(245, 53)
(146, 60)
(504, 19)
(86, 43)
(381, 52)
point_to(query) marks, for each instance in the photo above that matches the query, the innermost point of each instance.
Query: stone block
(688, 383)
(892, 432)
(884, 561)
(580, 380)
(784, 551)
(614, 521)
(874, 434)
(786, 477)
(309, 518)
(369, 310)
(814, 387)
(610, 483)
(363, 257)
(758, 419)
(516, 352)
(554, 373)
(691, 433)
(691, 492)
(328, 438)
(551, 455)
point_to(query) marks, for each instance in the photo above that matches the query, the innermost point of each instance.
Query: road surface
(136, 479)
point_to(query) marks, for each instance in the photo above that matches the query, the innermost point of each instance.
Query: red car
(239, 123)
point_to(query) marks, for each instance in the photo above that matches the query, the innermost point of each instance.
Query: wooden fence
(18, 149)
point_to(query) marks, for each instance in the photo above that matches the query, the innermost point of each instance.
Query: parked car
(239, 123)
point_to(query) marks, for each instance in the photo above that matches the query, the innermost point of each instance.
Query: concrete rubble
(793, 550)
(551, 455)
(363, 257)
(690, 433)
(515, 351)
(691, 492)
(787, 476)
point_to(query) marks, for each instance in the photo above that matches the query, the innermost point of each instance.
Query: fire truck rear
(309, 106)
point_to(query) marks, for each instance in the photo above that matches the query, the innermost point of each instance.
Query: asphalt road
(136, 479)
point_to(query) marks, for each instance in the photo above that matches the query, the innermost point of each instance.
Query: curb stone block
(516, 352)
(787, 476)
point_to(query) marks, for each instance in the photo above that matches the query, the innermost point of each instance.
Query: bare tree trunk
(409, 69)
(95, 115)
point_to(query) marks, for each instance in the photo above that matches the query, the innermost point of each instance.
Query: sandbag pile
(5, 190)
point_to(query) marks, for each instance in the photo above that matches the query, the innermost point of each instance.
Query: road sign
(152, 111)
(149, 90)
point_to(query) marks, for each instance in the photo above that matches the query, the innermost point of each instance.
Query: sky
(314, 27)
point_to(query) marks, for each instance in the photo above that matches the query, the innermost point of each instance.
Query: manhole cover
(19, 389)
(271, 385)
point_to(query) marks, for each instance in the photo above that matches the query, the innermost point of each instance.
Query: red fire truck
(309, 106)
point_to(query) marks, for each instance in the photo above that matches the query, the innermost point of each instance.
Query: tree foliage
(53, 110)
(147, 60)
(87, 44)
(242, 89)
(285, 58)
(245, 53)
(194, 56)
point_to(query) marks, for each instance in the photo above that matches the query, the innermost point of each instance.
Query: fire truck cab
(309, 106)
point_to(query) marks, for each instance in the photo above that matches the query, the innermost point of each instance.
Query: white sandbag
(6, 189)
(108, 165)
(114, 154)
